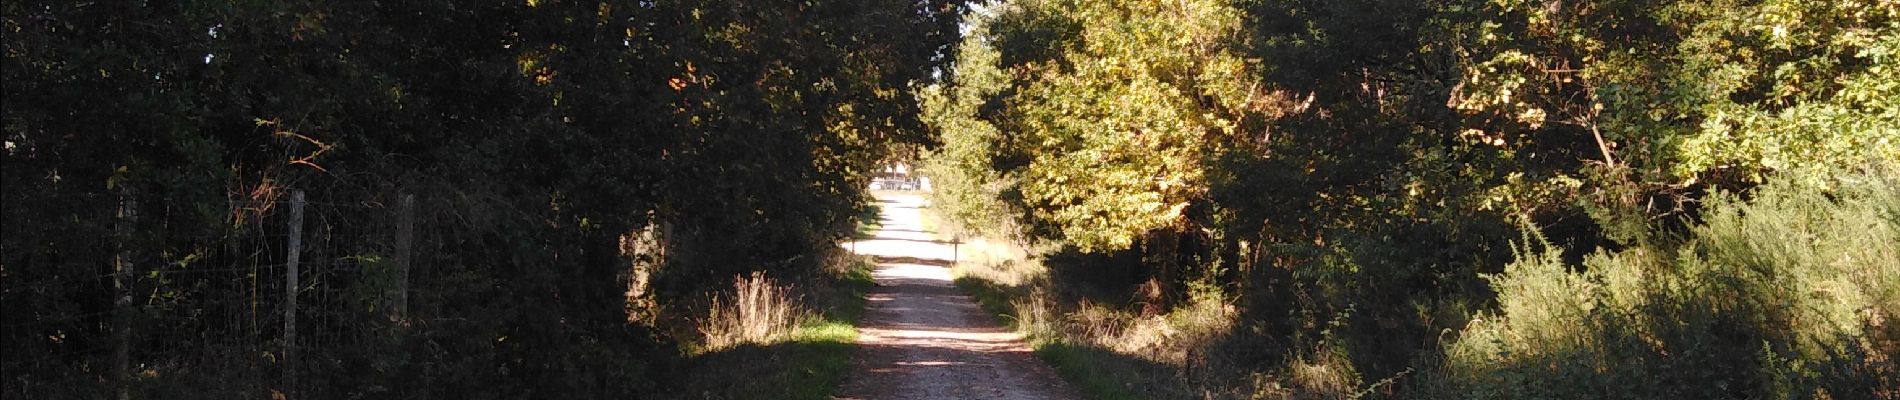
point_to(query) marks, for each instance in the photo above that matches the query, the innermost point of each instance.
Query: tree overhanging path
(922, 338)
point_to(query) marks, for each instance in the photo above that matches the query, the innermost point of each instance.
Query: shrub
(1786, 294)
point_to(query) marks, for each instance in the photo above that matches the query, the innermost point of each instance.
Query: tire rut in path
(922, 338)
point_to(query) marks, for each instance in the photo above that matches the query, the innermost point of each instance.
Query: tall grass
(1107, 351)
(757, 311)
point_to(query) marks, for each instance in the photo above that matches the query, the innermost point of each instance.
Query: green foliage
(966, 188)
(534, 134)
(1107, 124)
(1353, 174)
(1776, 296)
(1803, 87)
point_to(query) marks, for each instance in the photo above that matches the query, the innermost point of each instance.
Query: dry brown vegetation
(759, 310)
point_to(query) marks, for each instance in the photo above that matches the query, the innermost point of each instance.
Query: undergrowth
(805, 359)
(1789, 292)
(1080, 343)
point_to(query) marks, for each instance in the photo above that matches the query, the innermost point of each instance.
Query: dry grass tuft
(1168, 338)
(758, 311)
(1000, 262)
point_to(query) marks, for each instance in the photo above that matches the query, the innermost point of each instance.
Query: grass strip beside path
(1096, 372)
(809, 364)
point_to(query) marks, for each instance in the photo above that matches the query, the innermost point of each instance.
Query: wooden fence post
(405, 231)
(295, 250)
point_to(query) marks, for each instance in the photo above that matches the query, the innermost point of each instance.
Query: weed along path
(922, 338)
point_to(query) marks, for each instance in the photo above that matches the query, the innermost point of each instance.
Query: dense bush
(1786, 294)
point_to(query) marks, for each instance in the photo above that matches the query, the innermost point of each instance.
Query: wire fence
(250, 311)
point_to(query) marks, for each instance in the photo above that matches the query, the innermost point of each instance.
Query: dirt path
(922, 338)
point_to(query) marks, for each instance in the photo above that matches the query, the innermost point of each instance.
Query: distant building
(896, 176)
